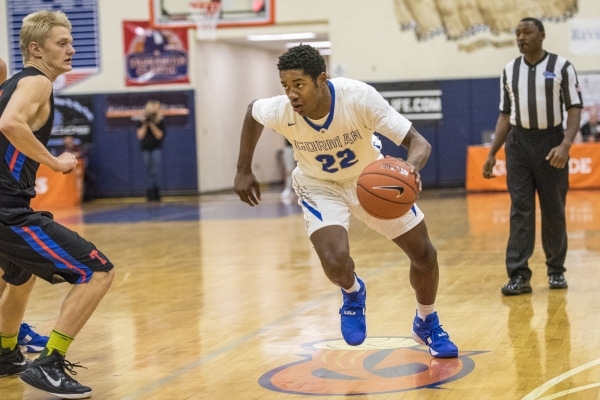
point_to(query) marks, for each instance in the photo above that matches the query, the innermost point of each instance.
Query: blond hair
(36, 28)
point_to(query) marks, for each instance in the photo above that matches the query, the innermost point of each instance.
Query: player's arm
(500, 134)
(19, 116)
(418, 147)
(245, 185)
(419, 150)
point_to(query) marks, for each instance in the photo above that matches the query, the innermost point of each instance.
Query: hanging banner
(154, 56)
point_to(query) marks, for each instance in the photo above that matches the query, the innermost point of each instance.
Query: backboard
(176, 13)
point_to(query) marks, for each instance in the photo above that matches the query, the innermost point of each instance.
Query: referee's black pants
(529, 172)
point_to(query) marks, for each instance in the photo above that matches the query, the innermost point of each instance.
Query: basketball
(386, 189)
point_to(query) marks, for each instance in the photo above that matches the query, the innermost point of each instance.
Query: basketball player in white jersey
(330, 124)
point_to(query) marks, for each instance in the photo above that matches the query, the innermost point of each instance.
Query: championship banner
(154, 56)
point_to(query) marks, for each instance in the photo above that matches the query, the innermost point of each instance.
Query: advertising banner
(122, 108)
(584, 168)
(420, 101)
(154, 56)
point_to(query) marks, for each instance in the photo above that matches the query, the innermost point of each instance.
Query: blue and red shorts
(32, 243)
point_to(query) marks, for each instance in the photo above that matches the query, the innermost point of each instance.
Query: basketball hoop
(205, 15)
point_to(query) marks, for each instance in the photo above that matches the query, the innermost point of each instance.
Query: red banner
(154, 56)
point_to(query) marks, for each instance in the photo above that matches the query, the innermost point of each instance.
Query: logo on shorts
(379, 365)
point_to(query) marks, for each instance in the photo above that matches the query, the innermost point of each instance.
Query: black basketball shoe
(48, 375)
(13, 363)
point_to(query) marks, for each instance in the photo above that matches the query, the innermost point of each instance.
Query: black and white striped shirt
(534, 95)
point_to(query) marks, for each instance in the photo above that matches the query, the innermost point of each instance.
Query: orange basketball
(386, 189)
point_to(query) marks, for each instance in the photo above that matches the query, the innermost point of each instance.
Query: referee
(535, 89)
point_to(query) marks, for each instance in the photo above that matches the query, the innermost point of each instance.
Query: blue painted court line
(164, 212)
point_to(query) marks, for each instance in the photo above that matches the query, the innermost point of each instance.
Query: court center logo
(379, 365)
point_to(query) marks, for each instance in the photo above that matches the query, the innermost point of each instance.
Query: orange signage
(584, 168)
(56, 190)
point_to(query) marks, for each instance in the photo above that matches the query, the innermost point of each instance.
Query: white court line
(569, 391)
(533, 395)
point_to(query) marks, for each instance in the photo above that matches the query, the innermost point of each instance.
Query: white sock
(423, 311)
(354, 288)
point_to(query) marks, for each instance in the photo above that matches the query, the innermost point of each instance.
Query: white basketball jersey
(342, 147)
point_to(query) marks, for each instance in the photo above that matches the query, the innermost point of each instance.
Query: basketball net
(205, 15)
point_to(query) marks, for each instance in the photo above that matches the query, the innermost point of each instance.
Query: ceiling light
(282, 36)
(316, 45)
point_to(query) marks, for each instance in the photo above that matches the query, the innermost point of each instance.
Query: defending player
(31, 243)
(32, 341)
(330, 124)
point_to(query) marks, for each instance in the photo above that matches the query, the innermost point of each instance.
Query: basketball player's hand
(559, 156)
(247, 188)
(413, 170)
(488, 168)
(66, 163)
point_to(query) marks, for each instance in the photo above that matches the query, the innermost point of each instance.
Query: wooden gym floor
(217, 300)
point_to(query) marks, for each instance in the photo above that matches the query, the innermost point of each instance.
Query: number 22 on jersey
(344, 158)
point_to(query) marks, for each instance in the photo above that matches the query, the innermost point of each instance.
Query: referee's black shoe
(48, 375)
(516, 285)
(557, 281)
(13, 363)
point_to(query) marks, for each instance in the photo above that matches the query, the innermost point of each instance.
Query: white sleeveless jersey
(343, 146)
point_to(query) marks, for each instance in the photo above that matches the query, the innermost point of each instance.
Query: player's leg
(80, 303)
(32, 341)
(332, 247)
(424, 271)
(424, 277)
(49, 372)
(57, 254)
(12, 308)
(409, 232)
(13, 304)
(2, 283)
(327, 217)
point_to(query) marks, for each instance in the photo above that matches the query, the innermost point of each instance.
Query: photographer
(150, 133)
